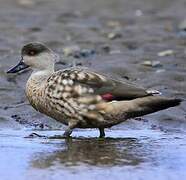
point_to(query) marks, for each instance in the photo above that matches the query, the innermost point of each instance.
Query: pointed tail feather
(143, 106)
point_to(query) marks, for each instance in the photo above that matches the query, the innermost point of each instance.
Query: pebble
(26, 2)
(71, 50)
(86, 53)
(106, 48)
(114, 35)
(113, 23)
(35, 29)
(152, 63)
(138, 13)
(78, 53)
(160, 70)
(130, 45)
(166, 53)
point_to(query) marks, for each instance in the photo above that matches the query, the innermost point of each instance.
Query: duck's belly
(61, 117)
(107, 121)
(58, 116)
(46, 109)
(65, 115)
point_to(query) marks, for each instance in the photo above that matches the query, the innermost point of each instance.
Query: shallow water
(133, 154)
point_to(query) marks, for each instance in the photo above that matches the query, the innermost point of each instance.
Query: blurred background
(143, 41)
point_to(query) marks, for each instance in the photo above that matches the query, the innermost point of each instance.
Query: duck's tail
(143, 106)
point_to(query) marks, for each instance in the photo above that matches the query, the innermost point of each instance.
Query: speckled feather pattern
(66, 91)
(66, 96)
(70, 96)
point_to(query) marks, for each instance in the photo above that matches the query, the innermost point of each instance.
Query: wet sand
(121, 38)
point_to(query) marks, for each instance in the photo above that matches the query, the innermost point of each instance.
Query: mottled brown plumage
(80, 98)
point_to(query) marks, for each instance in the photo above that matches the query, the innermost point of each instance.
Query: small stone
(106, 48)
(166, 53)
(138, 13)
(35, 29)
(130, 45)
(160, 70)
(113, 23)
(71, 50)
(152, 63)
(113, 35)
(26, 2)
(77, 53)
(87, 52)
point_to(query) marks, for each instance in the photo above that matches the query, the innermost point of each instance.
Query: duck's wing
(108, 88)
(80, 93)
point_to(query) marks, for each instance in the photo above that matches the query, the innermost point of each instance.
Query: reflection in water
(95, 152)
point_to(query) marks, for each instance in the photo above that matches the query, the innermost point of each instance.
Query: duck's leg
(102, 132)
(72, 124)
(68, 132)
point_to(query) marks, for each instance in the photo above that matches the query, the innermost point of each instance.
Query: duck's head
(36, 56)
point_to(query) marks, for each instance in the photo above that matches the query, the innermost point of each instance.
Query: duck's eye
(31, 53)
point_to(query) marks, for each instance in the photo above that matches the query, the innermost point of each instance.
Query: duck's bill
(20, 66)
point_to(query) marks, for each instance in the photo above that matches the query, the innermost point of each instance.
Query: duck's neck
(38, 77)
(35, 87)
